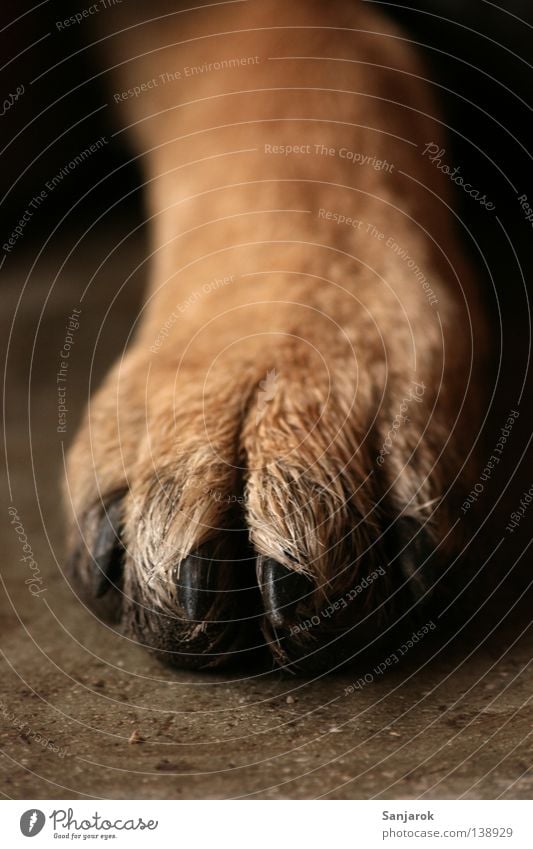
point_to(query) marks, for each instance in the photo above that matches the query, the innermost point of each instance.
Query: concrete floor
(450, 723)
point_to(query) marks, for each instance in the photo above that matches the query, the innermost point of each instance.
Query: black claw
(281, 589)
(416, 545)
(198, 582)
(107, 558)
(217, 613)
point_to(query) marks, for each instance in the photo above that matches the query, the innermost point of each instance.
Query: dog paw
(272, 500)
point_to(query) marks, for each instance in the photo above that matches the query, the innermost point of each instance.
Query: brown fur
(181, 430)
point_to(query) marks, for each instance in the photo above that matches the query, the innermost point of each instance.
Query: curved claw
(282, 589)
(108, 552)
(96, 563)
(198, 579)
